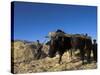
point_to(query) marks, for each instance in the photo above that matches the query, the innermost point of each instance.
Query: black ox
(61, 44)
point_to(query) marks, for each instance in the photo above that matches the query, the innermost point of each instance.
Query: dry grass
(24, 62)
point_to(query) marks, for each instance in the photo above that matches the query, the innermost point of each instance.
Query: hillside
(25, 62)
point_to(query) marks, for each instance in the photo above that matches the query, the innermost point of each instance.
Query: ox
(61, 44)
(57, 45)
(84, 44)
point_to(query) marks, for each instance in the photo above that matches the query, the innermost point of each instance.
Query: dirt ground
(21, 65)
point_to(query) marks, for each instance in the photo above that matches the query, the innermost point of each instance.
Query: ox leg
(82, 56)
(60, 58)
(70, 54)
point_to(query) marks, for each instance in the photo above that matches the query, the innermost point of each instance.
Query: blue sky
(33, 21)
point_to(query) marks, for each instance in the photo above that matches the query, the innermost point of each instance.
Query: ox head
(53, 44)
(52, 48)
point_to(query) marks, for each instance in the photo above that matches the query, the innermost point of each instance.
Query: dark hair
(37, 40)
(59, 30)
(94, 40)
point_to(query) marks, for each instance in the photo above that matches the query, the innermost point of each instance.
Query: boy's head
(38, 41)
(94, 41)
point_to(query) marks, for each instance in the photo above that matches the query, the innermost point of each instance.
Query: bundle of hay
(54, 34)
(24, 52)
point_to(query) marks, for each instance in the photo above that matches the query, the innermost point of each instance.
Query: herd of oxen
(60, 42)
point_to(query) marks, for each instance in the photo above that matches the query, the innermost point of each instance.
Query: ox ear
(48, 42)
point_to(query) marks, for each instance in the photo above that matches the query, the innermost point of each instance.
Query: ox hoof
(60, 63)
(83, 63)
